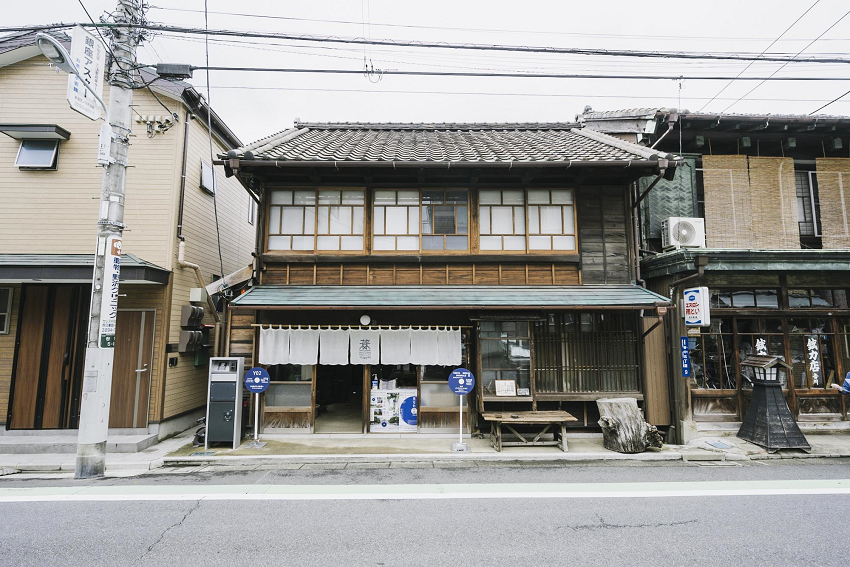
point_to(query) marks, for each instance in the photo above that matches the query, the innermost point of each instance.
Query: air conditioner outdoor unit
(681, 232)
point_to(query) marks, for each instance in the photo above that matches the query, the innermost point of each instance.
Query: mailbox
(224, 401)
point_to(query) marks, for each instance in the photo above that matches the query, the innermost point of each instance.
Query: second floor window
(808, 206)
(413, 220)
(533, 220)
(316, 220)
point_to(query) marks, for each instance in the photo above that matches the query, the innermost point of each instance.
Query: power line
(492, 93)
(445, 45)
(833, 101)
(446, 28)
(514, 75)
(783, 66)
(209, 131)
(762, 53)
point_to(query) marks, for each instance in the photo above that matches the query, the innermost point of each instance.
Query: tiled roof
(442, 296)
(590, 114)
(444, 143)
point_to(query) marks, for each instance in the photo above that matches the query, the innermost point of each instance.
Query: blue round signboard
(257, 380)
(461, 381)
(408, 411)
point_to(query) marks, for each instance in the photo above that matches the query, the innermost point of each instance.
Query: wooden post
(623, 427)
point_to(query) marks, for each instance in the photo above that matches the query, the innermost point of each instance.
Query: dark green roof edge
(679, 261)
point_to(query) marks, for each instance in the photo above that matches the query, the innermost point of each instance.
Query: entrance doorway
(339, 399)
(131, 370)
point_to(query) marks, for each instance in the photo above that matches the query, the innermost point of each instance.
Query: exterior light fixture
(365, 319)
(51, 48)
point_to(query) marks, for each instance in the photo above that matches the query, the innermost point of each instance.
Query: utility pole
(100, 346)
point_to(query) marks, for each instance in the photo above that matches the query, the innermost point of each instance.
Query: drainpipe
(183, 175)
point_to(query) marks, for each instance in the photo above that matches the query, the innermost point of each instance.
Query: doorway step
(65, 441)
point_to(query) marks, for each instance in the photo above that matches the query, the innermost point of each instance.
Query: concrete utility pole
(100, 347)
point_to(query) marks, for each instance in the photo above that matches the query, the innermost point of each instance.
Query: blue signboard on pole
(461, 381)
(257, 380)
(686, 358)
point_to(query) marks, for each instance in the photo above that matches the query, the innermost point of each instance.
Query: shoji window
(551, 220)
(324, 220)
(445, 216)
(502, 218)
(396, 220)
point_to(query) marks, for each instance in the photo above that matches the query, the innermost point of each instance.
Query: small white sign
(506, 388)
(696, 308)
(89, 57)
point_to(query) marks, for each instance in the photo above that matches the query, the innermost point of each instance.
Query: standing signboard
(696, 310)
(461, 382)
(89, 57)
(257, 381)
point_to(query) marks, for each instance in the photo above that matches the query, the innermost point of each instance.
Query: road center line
(424, 491)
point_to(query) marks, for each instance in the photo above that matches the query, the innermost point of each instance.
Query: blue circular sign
(461, 381)
(408, 411)
(257, 380)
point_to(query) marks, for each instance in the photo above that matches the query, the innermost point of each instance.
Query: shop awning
(450, 297)
(73, 268)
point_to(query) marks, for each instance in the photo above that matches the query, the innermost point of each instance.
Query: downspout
(181, 246)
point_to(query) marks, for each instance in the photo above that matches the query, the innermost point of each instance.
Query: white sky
(276, 99)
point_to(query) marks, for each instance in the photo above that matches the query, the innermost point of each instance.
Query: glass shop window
(745, 298)
(758, 337)
(812, 353)
(817, 298)
(505, 355)
(713, 357)
(433, 386)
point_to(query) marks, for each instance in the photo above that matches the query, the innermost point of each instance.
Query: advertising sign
(89, 57)
(696, 309)
(686, 358)
(461, 381)
(257, 380)
(383, 411)
(813, 359)
(109, 299)
(408, 410)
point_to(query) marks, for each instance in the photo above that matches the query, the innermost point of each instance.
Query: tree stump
(623, 427)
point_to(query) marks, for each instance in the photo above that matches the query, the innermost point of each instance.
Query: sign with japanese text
(257, 380)
(461, 381)
(761, 346)
(686, 358)
(696, 309)
(89, 57)
(109, 298)
(813, 360)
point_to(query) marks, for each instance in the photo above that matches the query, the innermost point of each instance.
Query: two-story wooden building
(390, 254)
(49, 197)
(774, 199)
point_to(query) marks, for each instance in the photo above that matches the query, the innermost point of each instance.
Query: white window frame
(206, 183)
(7, 311)
(310, 225)
(528, 234)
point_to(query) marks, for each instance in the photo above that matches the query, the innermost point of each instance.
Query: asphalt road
(615, 528)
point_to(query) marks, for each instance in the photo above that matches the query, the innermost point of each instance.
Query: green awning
(449, 297)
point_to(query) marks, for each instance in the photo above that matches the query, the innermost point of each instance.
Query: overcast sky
(258, 104)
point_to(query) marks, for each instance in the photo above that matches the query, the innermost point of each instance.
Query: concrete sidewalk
(337, 451)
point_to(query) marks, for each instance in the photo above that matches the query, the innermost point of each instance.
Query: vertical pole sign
(461, 382)
(256, 381)
(89, 57)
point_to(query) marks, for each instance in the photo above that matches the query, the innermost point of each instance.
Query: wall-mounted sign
(696, 307)
(813, 359)
(686, 358)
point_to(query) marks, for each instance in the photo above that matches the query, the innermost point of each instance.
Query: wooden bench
(544, 419)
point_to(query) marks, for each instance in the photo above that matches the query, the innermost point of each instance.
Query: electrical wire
(514, 75)
(833, 101)
(783, 66)
(212, 158)
(744, 70)
(726, 56)
(466, 30)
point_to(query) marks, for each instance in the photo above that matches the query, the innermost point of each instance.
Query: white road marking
(425, 491)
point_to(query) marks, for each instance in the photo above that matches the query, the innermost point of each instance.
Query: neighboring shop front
(795, 307)
(524, 357)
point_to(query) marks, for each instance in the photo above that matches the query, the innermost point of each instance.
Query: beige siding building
(47, 232)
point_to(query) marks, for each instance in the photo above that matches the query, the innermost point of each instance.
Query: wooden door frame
(144, 312)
